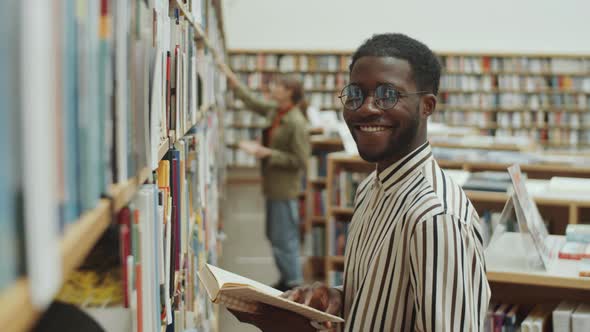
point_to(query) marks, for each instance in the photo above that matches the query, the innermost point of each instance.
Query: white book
(569, 186)
(155, 105)
(562, 316)
(581, 318)
(243, 294)
(167, 300)
(144, 201)
(39, 135)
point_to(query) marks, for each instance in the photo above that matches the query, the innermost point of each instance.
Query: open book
(242, 294)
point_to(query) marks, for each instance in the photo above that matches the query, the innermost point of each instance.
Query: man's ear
(428, 105)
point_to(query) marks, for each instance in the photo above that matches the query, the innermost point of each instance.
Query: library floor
(245, 250)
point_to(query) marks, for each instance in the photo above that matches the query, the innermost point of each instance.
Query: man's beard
(397, 146)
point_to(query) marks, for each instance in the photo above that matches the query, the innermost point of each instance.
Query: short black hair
(424, 63)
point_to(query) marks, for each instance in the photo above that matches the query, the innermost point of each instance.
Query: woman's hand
(255, 149)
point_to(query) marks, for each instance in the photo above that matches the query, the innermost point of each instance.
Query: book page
(249, 295)
(227, 279)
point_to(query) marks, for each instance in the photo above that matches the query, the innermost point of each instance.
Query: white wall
(547, 26)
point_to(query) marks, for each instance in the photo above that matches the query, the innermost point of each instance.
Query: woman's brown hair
(294, 85)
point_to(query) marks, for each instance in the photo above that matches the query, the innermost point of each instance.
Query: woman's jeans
(282, 230)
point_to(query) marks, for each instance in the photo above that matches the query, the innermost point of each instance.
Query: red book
(138, 282)
(124, 219)
(574, 250)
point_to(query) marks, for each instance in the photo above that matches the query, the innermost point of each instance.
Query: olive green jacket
(283, 170)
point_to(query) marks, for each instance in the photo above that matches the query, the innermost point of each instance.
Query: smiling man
(414, 256)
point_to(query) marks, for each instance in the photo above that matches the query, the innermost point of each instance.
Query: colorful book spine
(11, 176)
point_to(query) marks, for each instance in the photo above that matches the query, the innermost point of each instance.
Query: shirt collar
(409, 164)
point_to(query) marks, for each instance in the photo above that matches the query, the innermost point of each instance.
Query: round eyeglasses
(386, 96)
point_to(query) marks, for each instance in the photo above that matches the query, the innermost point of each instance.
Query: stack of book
(338, 233)
(577, 245)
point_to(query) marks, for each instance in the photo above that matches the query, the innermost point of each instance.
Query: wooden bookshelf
(318, 220)
(535, 171)
(470, 108)
(336, 259)
(538, 75)
(277, 71)
(522, 73)
(321, 182)
(519, 91)
(505, 282)
(17, 312)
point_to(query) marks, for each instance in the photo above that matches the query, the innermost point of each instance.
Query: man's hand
(317, 296)
(272, 319)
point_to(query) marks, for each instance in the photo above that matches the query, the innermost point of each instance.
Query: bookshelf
(542, 96)
(560, 210)
(134, 127)
(316, 199)
(17, 312)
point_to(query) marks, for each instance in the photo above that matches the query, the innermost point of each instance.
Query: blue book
(71, 208)
(88, 128)
(104, 102)
(9, 148)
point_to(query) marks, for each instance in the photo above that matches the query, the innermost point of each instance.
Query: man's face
(383, 134)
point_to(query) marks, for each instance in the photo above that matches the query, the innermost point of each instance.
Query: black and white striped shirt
(414, 257)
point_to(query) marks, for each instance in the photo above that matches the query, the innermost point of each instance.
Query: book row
(338, 232)
(118, 81)
(286, 63)
(317, 166)
(565, 317)
(159, 243)
(519, 64)
(478, 100)
(514, 82)
(310, 81)
(535, 119)
(345, 186)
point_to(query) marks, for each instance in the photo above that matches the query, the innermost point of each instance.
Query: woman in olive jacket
(284, 154)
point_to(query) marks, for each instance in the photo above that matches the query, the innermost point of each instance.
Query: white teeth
(372, 129)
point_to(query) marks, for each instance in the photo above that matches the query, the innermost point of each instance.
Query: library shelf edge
(320, 181)
(17, 312)
(318, 220)
(343, 211)
(336, 260)
(510, 278)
